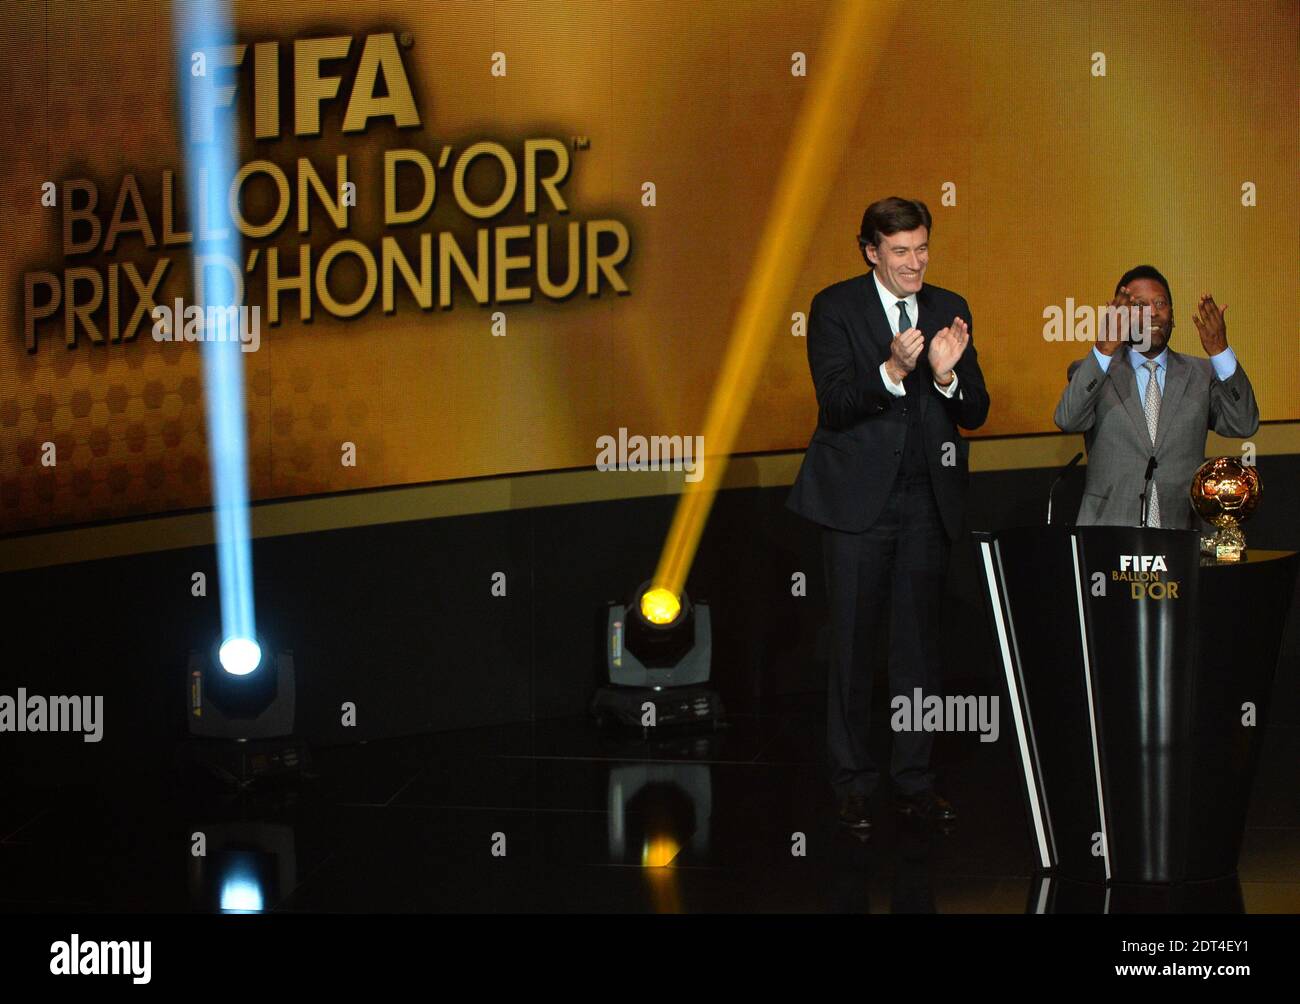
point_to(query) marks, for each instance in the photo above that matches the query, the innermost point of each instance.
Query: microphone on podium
(1060, 474)
(1146, 488)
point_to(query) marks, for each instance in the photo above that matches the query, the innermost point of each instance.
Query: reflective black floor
(556, 817)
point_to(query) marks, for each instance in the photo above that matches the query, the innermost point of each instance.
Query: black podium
(1138, 681)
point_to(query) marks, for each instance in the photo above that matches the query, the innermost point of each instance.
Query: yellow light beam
(855, 34)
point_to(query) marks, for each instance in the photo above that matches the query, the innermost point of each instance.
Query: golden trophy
(1224, 493)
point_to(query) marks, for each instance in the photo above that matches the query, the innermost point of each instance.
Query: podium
(1138, 680)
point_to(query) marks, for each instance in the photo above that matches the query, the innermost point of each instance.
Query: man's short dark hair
(1145, 272)
(891, 216)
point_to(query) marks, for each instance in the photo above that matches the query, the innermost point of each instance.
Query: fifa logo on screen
(260, 226)
(1143, 573)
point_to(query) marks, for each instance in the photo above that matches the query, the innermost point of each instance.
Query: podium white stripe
(1031, 785)
(1092, 711)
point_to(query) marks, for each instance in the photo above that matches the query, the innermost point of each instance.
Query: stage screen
(483, 235)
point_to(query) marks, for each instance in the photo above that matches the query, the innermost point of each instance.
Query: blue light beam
(205, 55)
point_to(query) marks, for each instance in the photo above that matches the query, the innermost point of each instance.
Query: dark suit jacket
(853, 459)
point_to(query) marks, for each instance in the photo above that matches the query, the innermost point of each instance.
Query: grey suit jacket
(1104, 406)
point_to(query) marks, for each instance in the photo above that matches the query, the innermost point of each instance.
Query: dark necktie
(904, 322)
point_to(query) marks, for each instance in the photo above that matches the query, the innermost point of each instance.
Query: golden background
(1063, 180)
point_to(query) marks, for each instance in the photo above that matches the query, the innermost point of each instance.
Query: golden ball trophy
(1224, 493)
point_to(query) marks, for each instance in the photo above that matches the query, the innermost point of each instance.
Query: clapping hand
(904, 351)
(946, 348)
(1210, 324)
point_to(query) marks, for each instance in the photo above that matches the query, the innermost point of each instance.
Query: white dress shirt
(890, 302)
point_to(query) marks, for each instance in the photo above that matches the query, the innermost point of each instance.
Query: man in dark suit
(1127, 418)
(885, 475)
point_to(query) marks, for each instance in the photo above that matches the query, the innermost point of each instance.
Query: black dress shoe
(854, 813)
(926, 805)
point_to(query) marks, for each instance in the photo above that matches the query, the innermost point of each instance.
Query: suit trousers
(892, 573)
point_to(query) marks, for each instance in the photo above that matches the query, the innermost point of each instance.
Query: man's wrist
(893, 372)
(939, 378)
(1224, 362)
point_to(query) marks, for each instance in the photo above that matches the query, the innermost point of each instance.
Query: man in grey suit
(1133, 403)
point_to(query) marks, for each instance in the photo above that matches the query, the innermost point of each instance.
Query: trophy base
(1223, 547)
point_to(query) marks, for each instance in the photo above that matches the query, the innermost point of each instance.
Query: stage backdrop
(408, 164)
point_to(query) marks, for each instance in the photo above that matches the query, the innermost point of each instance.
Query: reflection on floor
(557, 816)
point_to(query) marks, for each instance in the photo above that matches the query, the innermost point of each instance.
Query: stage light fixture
(659, 634)
(660, 606)
(241, 722)
(240, 656)
(228, 700)
(658, 649)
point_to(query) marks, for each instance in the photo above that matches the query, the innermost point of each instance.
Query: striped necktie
(1151, 405)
